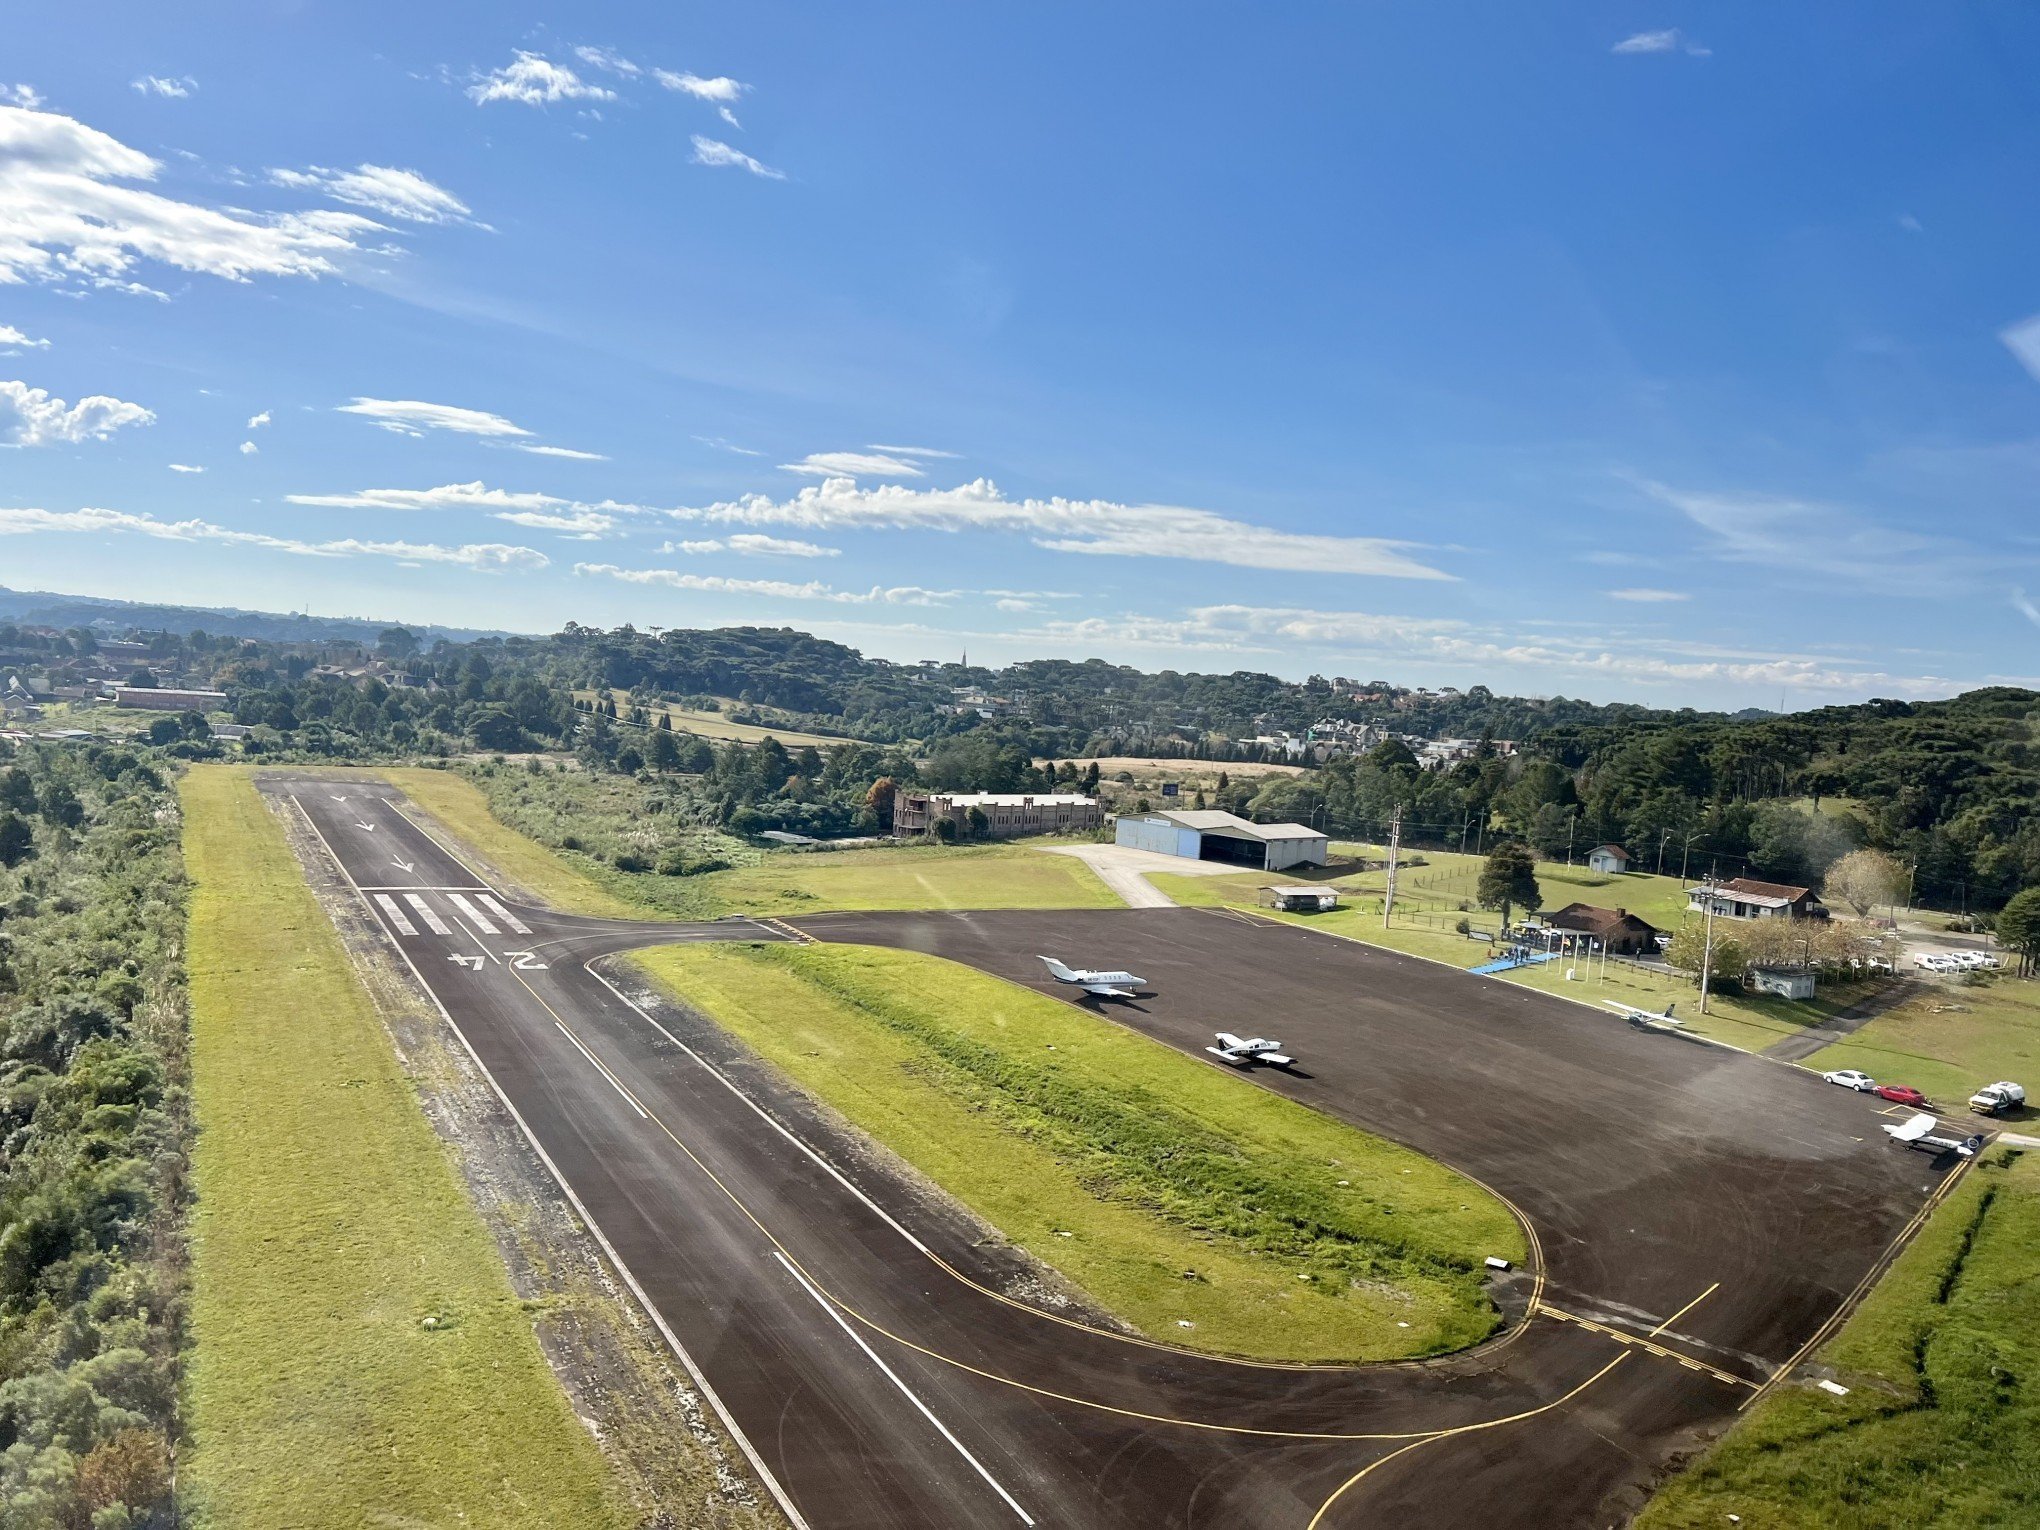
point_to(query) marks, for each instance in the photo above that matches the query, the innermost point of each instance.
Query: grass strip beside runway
(1941, 1425)
(1168, 1191)
(330, 1227)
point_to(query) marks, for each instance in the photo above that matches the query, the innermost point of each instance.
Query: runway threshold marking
(504, 916)
(389, 906)
(475, 916)
(1340, 1491)
(905, 1390)
(798, 936)
(432, 920)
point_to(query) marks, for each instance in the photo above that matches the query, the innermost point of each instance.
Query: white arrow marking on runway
(337, 797)
(360, 825)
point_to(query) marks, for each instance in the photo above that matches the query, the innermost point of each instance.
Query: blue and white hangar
(1209, 835)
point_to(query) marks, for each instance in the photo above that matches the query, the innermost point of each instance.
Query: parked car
(1850, 1078)
(1901, 1094)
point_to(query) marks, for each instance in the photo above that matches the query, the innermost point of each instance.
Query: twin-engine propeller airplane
(1103, 985)
(1918, 1131)
(1646, 1019)
(1244, 1052)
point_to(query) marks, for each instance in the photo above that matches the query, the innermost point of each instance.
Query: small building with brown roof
(1615, 930)
(1610, 860)
(1747, 898)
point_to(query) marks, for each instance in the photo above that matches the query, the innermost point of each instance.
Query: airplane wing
(1107, 991)
(1912, 1129)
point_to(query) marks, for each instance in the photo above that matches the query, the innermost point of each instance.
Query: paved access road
(1700, 1214)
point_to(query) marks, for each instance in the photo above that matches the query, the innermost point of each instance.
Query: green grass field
(1168, 1191)
(785, 882)
(330, 1226)
(1941, 1425)
(1950, 1040)
(717, 728)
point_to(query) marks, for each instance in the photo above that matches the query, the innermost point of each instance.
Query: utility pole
(1707, 948)
(1686, 852)
(1662, 840)
(1572, 824)
(1394, 845)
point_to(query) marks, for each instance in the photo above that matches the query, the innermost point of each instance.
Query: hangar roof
(1211, 821)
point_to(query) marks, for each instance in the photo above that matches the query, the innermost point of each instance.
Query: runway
(1701, 1216)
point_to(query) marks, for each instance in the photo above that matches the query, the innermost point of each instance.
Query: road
(1701, 1216)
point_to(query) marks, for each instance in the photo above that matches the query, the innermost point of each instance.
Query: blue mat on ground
(1506, 963)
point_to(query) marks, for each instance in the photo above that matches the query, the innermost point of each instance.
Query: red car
(1901, 1094)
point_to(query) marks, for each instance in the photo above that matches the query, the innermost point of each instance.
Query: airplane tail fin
(1670, 1007)
(1057, 968)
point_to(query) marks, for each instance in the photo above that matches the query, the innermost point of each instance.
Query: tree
(980, 825)
(1727, 960)
(396, 643)
(660, 750)
(880, 800)
(17, 839)
(1509, 880)
(1863, 879)
(2018, 928)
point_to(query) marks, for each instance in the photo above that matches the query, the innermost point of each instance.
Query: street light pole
(1686, 852)
(1662, 840)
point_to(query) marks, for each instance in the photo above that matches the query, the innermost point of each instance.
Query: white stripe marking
(479, 919)
(517, 926)
(432, 921)
(389, 906)
(905, 1391)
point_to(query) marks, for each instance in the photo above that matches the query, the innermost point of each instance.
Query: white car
(1850, 1078)
(1932, 961)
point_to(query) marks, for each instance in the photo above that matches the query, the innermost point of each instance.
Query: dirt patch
(681, 1470)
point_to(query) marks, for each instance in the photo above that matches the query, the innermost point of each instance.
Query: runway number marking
(464, 961)
(905, 1391)
(525, 961)
(479, 919)
(432, 921)
(389, 907)
(504, 916)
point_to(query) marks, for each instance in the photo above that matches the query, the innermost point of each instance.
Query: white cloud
(751, 544)
(175, 87)
(730, 117)
(9, 335)
(1670, 40)
(898, 595)
(711, 151)
(380, 188)
(185, 467)
(580, 521)
(451, 496)
(910, 451)
(728, 446)
(534, 80)
(483, 556)
(1094, 526)
(562, 451)
(256, 422)
(1645, 597)
(20, 95)
(250, 449)
(40, 420)
(721, 88)
(64, 216)
(872, 464)
(410, 417)
(1011, 603)
(2023, 604)
(607, 58)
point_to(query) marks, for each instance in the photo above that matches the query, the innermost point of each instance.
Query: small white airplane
(1647, 1019)
(1104, 985)
(1245, 1051)
(1918, 1131)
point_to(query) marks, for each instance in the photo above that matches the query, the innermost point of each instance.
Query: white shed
(1609, 860)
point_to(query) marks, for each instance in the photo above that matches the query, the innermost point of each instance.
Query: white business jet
(1918, 1131)
(1103, 985)
(1245, 1051)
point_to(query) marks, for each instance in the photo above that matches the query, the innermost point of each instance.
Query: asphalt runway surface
(1700, 1216)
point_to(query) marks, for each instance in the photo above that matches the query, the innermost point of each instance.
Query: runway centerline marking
(613, 1084)
(905, 1390)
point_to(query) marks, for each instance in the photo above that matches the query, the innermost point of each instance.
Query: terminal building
(1206, 835)
(1007, 814)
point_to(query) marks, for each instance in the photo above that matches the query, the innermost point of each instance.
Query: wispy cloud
(728, 446)
(607, 58)
(185, 467)
(872, 464)
(175, 87)
(751, 544)
(413, 417)
(562, 451)
(1670, 40)
(711, 151)
(20, 95)
(531, 79)
(483, 556)
(1648, 597)
(1090, 526)
(911, 451)
(2023, 604)
(778, 589)
(380, 188)
(11, 336)
(450, 496)
(70, 217)
(40, 420)
(721, 89)
(256, 422)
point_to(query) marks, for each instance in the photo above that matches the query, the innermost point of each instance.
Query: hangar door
(1236, 851)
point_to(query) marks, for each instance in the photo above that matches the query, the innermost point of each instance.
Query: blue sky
(1671, 353)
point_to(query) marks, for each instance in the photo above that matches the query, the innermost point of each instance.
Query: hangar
(1206, 835)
